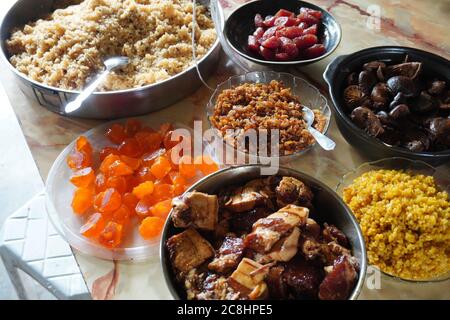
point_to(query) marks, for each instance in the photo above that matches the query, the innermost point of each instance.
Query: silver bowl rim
(363, 267)
(286, 63)
(4, 56)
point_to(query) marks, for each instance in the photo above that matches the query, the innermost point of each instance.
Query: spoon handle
(77, 103)
(325, 142)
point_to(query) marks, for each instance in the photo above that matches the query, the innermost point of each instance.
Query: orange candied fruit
(162, 209)
(107, 201)
(135, 181)
(151, 227)
(82, 200)
(93, 226)
(116, 134)
(186, 167)
(111, 235)
(83, 178)
(161, 167)
(144, 189)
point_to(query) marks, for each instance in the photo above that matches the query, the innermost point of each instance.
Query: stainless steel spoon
(110, 64)
(325, 142)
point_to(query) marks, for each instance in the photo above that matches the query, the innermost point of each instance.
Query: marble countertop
(420, 24)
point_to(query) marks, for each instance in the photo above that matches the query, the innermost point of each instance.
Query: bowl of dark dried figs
(241, 235)
(393, 101)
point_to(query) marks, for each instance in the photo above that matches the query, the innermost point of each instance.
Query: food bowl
(240, 24)
(336, 74)
(102, 105)
(331, 207)
(441, 179)
(59, 192)
(309, 96)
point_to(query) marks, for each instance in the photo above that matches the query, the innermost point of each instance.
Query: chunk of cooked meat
(302, 278)
(267, 231)
(327, 253)
(275, 283)
(243, 222)
(193, 283)
(311, 229)
(248, 279)
(228, 256)
(332, 233)
(216, 287)
(293, 191)
(339, 283)
(188, 250)
(311, 248)
(284, 250)
(197, 210)
(253, 193)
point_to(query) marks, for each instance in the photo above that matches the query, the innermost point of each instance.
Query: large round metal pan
(102, 105)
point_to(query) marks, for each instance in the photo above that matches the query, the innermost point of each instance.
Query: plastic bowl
(59, 192)
(414, 166)
(308, 94)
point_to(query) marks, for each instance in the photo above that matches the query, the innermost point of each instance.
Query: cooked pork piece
(248, 279)
(197, 210)
(193, 283)
(216, 287)
(293, 191)
(275, 283)
(228, 256)
(302, 278)
(331, 233)
(311, 229)
(284, 250)
(311, 248)
(188, 250)
(339, 283)
(253, 193)
(243, 222)
(267, 231)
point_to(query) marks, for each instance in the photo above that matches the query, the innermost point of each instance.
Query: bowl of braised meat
(393, 102)
(288, 32)
(238, 235)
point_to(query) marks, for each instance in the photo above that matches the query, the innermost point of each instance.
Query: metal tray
(102, 105)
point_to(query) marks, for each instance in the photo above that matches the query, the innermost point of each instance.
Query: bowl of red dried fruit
(288, 32)
(110, 191)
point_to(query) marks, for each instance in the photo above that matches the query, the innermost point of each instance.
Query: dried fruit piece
(79, 160)
(82, 200)
(187, 167)
(107, 201)
(142, 208)
(107, 151)
(100, 182)
(111, 235)
(151, 227)
(148, 141)
(121, 215)
(132, 126)
(119, 168)
(116, 134)
(145, 174)
(144, 189)
(163, 191)
(161, 167)
(107, 162)
(93, 226)
(205, 164)
(82, 145)
(133, 163)
(117, 182)
(162, 209)
(130, 147)
(130, 201)
(83, 177)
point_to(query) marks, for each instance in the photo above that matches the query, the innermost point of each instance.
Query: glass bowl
(59, 192)
(308, 94)
(441, 179)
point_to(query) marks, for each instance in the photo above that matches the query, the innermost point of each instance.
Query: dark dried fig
(408, 69)
(353, 96)
(365, 119)
(437, 87)
(386, 120)
(425, 103)
(398, 99)
(380, 74)
(380, 95)
(402, 84)
(366, 81)
(440, 129)
(374, 65)
(399, 111)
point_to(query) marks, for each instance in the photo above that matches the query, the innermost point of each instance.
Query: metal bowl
(336, 74)
(240, 25)
(102, 105)
(330, 206)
